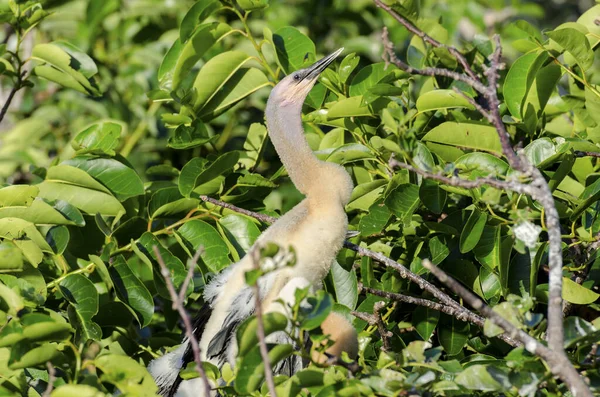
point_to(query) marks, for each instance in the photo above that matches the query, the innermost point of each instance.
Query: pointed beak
(315, 70)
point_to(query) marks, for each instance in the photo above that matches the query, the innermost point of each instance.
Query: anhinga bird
(315, 228)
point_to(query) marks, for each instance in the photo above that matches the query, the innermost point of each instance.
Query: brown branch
(538, 187)
(559, 363)
(428, 39)
(191, 264)
(260, 329)
(178, 305)
(51, 379)
(579, 153)
(376, 320)
(431, 71)
(465, 183)
(18, 85)
(261, 217)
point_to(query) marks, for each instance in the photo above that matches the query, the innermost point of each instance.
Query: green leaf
(80, 292)
(375, 221)
(575, 42)
(250, 370)
(67, 65)
(10, 301)
(128, 375)
(42, 213)
(483, 163)
(19, 229)
(122, 180)
(18, 195)
(577, 294)
(509, 312)
(355, 106)
(425, 321)
(176, 268)
(470, 235)
(241, 232)
(452, 334)
(403, 201)
(519, 80)
(438, 249)
(590, 195)
(168, 202)
(11, 258)
(214, 74)
(347, 66)
(350, 153)
(441, 99)
(432, 196)
(203, 38)
(321, 306)
(247, 337)
(251, 5)
(23, 356)
(195, 16)
(345, 284)
(243, 83)
(99, 138)
(194, 173)
(132, 291)
(87, 200)
(187, 137)
(467, 135)
(478, 377)
(253, 146)
(370, 75)
(196, 234)
(294, 50)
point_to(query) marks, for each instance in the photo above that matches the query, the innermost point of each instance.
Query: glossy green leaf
(425, 321)
(23, 356)
(375, 221)
(472, 231)
(128, 375)
(241, 232)
(196, 172)
(187, 137)
(577, 294)
(466, 135)
(520, 79)
(441, 99)
(345, 284)
(18, 195)
(294, 50)
(403, 201)
(432, 196)
(478, 377)
(11, 258)
(452, 334)
(575, 42)
(198, 234)
(80, 292)
(204, 37)
(99, 138)
(195, 16)
(132, 291)
(214, 74)
(247, 337)
(168, 202)
(41, 212)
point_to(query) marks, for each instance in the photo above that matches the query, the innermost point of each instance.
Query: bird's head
(293, 89)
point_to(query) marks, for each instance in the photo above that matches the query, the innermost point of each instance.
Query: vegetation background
(118, 117)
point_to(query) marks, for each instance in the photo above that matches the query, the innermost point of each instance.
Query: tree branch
(178, 305)
(559, 363)
(51, 379)
(376, 320)
(260, 329)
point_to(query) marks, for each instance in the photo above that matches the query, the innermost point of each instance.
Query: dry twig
(51, 379)
(260, 329)
(178, 305)
(376, 320)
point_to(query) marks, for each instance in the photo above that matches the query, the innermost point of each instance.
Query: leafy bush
(123, 118)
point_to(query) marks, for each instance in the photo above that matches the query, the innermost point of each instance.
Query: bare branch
(467, 184)
(428, 39)
(51, 379)
(376, 320)
(178, 305)
(579, 153)
(559, 363)
(18, 85)
(191, 264)
(391, 57)
(260, 329)
(261, 217)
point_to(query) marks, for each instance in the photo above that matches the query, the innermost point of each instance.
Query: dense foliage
(123, 114)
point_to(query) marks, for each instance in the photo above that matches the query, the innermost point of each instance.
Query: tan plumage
(315, 228)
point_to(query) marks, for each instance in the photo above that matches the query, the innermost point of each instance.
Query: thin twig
(430, 71)
(189, 330)
(428, 39)
(11, 94)
(559, 364)
(261, 217)
(376, 320)
(191, 264)
(51, 379)
(260, 329)
(580, 153)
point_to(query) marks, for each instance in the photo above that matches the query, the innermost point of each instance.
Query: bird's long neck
(286, 133)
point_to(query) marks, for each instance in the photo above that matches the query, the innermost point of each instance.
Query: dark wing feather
(188, 356)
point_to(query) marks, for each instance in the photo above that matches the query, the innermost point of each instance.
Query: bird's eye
(296, 77)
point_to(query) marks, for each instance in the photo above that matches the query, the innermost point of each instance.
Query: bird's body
(315, 229)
